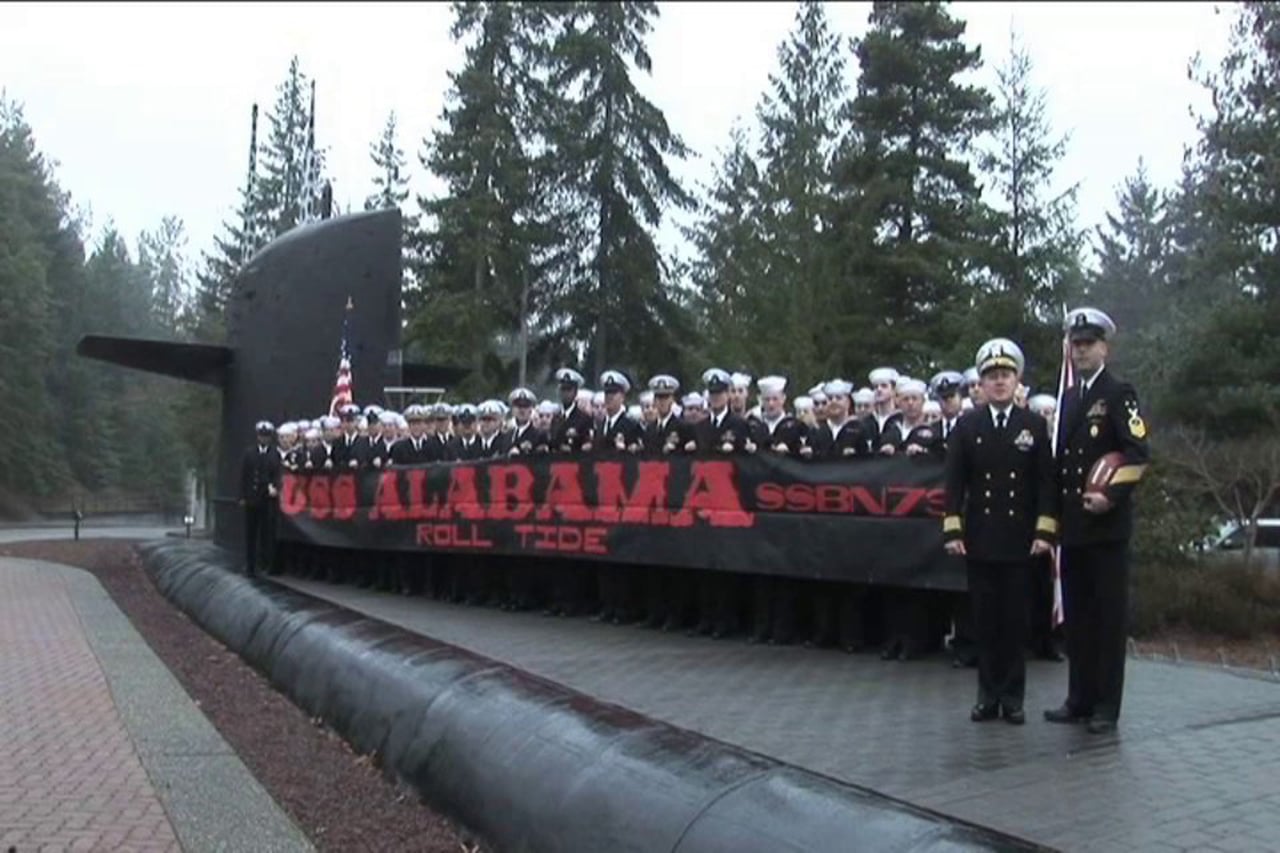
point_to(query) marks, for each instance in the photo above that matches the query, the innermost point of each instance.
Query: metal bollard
(78, 516)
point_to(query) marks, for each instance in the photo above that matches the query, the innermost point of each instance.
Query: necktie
(1000, 421)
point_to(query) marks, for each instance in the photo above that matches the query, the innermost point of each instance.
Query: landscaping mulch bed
(338, 798)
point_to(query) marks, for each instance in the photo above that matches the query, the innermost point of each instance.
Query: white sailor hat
(772, 384)
(567, 376)
(1089, 324)
(932, 407)
(388, 418)
(819, 396)
(597, 398)
(999, 352)
(716, 380)
(613, 381)
(415, 413)
(803, 404)
(522, 397)
(312, 434)
(882, 374)
(966, 404)
(318, 423)
(739, 380)
(287, 428)
(401, 421)
(330, 422)
(864, 396)
(363, 423)
(1040, 402)
(350, 411)
(946, 382)
(585, 396)
(693, 400)
(490, 409)
(465, 412)
(633, 412)
(664, 383)
(837, 388)
(971, 376)
(548, 407)
(265, 427)
(372, 410)
(911, 387)
(816, 389)
(646, 398)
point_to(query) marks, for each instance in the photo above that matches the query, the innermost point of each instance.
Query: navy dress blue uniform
(1097, 419)
(999, 499)
(260, 474)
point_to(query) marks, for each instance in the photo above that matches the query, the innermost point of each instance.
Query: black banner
(870, 520)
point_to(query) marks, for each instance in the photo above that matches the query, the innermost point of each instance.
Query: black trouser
(1040, 605)
(1095, 593)
(963, 647)
(837, 615)
(774, 608)
(259, 538)
(998, 592)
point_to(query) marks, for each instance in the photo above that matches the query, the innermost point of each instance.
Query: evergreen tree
(278, 204)
(390, 182)
(1132, 250)
(610, 148)
(800, 120)
(911, 209)
(477, 253)
(161, 256)
(1034, 258)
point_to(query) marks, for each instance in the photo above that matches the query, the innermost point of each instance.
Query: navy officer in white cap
(999, 514)
(1100, 415)
(618, 432)
(260, 473)
(723, 431)
(572, 427)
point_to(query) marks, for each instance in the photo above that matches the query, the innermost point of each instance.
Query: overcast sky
(145, 107)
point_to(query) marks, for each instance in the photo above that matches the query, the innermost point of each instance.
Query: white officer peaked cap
(548, 407)
(597, 399)
(971, 376)
(569, 376)
(864, 395)
(372, 409)
(664, 383)
(613, 381)
(911, 387)
(585, 396)
(414, 413)
(1042, 401)
(646, 398)
(932, 407)
(442, 410)
(804, 404)
(522, 396)
(287, 428)
(490, 409)
(330, 422)
(838, 388)
(350, 410)
(312, 434)
(739, 380)
(633, 412)
(882, 374)
(772, 384)
(716, 379)
(465, 411)
(1090, 322)
(999, 352)
(946, 382)
(401, 421)
(265, 426)
(388, 418)
(693, 400)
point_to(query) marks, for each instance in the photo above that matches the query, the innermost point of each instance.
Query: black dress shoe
(983, 713)
(1015, 716)
(1065, 714)
(1100, 726)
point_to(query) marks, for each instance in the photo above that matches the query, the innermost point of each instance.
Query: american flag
(1066, 382)
(342, 384)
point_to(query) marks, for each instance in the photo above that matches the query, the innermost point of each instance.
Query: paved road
(1196, 766)
(102, 749)
(33, 532)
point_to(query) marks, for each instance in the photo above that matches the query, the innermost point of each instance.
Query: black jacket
(571, 430)
(525, 441)
(258, 471)
(875, 433)
(406, 452)
(624, 431)
(345, 452)
(1106, 420)
(669, 438)
(788, 432)
(850, 440)
(732, 431)
(999, 486)
(927, 437)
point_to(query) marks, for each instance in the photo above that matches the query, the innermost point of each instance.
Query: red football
(1102, 471)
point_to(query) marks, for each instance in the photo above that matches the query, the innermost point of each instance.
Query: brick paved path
(1196, 765)
(69, 775)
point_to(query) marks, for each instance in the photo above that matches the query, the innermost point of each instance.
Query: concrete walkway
(102, 749)
(1196, 766)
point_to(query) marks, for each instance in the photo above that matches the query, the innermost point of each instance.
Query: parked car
(1227, 545)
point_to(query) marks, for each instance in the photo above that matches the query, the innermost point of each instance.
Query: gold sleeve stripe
(1047, 524)
(1128, 474)
(951, 524)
